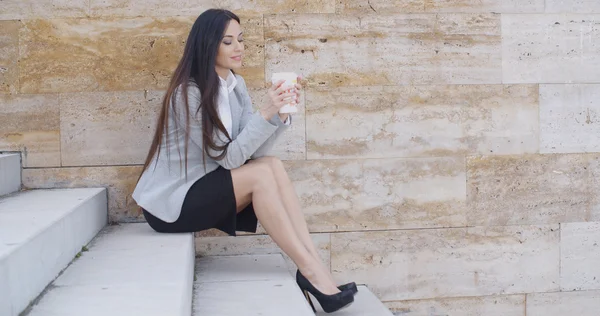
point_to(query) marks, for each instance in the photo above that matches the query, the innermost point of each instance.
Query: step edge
(52, 223)
(19, 163)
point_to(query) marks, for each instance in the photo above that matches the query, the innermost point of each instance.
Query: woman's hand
(278, 97)
(284, 116)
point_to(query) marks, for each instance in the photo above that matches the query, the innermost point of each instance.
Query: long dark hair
(198, 63)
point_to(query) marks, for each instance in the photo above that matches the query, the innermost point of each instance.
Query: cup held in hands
(291, 79)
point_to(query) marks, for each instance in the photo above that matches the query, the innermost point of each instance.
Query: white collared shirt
(225, 88)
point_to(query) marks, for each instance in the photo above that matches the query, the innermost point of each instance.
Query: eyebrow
(232, 35)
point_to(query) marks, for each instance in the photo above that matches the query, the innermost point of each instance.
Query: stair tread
(241, 268)
(247, 284)
(122, 300)
(128, 270)
(250, 298)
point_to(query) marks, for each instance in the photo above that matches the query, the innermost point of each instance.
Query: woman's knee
(274, 163)
(263, 175)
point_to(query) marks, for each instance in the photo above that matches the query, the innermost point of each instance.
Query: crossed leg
(265, 183)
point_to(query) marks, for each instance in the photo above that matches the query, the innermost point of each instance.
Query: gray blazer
(163, 186)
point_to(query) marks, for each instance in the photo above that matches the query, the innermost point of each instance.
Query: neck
(222, 72)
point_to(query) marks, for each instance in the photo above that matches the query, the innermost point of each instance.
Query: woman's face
(231, 49)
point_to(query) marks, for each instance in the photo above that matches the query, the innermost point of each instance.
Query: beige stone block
(91, 55)
(292, 144)
(580, 256)
(9, 55)
(550, 48)
(195, 8)
(256, 245)
(380, 6)
(509, 305)
(574, 6)
(458, 6)
(385, 49)
(82, 55)
(353, 195)
(119, 182)
(107, 128)
(531, 189)
(30, 124)
(585, 303)
(569, 114)
(496, 6)
(420, 121)
(32, 9)
(437, 263)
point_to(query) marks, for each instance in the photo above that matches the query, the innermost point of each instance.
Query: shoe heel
(329, 303)
(309, 301)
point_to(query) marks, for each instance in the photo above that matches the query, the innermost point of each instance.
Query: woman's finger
(285, 102)
(278, 97)
(283, 89)
(276, 85)
(284, 96)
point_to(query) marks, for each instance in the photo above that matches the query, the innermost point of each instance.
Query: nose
(239, 46)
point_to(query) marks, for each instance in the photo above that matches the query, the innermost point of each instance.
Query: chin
(235, 66)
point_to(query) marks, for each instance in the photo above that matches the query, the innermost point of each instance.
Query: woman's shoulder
(192, 85)
(193, 90)
(193, 96)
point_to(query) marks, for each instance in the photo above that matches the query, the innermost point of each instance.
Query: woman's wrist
(264, 115)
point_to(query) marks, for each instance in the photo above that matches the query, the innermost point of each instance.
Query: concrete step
(40, 233)
(128, 270)
(10, 173)
(248, 285)
(365, 304)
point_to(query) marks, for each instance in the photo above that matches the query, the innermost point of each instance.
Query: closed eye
(241, 40)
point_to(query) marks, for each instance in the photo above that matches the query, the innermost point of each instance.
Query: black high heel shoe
(346, 287)
(329, 303)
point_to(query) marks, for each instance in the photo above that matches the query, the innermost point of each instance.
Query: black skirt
(209, 203)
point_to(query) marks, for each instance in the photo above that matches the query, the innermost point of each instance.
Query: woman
(207, 168)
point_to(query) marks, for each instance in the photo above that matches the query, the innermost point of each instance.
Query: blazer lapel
(236, 112)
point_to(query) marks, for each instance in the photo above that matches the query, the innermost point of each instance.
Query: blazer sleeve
(256, 132)
(247, 112)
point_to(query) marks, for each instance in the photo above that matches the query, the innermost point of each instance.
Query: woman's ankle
(308, 272)
(319, 279)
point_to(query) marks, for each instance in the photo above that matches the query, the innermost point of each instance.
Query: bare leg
(292, 206)
(257, 182)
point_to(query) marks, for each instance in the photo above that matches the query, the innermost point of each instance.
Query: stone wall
(444, 152)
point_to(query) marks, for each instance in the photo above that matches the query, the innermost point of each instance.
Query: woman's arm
(247, 112)
(266, 147)
(256, 132)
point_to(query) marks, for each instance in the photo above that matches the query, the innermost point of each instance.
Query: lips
(238, 58)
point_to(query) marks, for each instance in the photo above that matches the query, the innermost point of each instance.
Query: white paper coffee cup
(291, 79)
